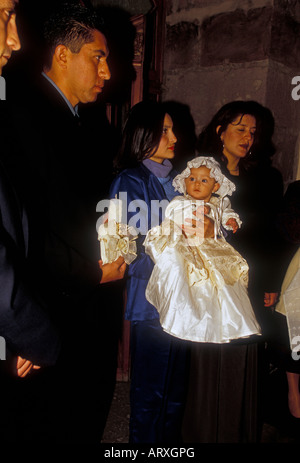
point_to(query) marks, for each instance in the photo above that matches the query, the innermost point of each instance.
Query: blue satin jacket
(140, 184)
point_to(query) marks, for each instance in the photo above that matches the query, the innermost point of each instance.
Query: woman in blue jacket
(158, 360)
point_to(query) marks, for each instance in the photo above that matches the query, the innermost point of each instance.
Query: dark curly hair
(209, 141)
(72, 25)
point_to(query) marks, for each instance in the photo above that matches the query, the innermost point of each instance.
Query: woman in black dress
(223, 401)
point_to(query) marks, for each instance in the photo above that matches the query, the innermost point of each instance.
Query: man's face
(87, 71)
(9, 39)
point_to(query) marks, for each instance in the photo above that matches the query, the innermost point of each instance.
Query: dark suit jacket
(56, 166)
(61, 181)
(67, 174)
(64, 171)
(24, 323)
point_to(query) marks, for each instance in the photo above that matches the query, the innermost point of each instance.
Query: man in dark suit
(53, 166)
(31, 339)
(69, 170)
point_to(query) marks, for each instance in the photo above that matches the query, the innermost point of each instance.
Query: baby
(199, 286)
(201, 181)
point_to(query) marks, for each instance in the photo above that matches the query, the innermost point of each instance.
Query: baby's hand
(270, 299)
(233, 224)
(206, 209)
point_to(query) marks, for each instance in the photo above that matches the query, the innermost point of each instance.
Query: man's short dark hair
(71, 25)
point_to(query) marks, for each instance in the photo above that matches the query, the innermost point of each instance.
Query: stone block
(285, 43)
(182, 44)
(236, 37)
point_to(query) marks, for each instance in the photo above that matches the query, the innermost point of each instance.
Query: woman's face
(167, 142)
(238, 137)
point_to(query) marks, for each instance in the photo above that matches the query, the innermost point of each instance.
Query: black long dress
(224, 398)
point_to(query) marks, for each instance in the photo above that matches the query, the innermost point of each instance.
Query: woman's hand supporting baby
(202, 226)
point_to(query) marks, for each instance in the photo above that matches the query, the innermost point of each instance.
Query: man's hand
(113, 271)
(24, 367)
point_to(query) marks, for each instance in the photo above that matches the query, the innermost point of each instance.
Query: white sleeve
(229, 213)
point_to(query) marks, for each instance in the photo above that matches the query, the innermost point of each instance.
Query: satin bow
(117, 240)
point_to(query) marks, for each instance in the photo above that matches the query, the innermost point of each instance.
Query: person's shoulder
(138, 173)
(215, 200)
(47, 102)
(133, 181)
(178, 203)
(180, 198)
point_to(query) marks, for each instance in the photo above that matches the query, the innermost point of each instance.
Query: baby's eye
(204, 180)
(192, 179)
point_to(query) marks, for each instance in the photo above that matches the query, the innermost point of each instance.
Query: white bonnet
(226, 186)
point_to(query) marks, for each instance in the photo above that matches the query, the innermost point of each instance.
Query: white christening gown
(199, 291)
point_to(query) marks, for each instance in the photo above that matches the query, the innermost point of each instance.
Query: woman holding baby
(224, 399)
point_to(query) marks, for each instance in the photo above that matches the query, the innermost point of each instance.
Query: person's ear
(217, 132)
(61, 56)
(216, 187)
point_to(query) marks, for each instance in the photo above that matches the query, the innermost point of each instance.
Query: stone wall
(222, 50)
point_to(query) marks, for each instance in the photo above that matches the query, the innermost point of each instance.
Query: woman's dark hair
(141, 135)
(209, 141)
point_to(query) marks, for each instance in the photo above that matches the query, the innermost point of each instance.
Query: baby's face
(200, 185)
